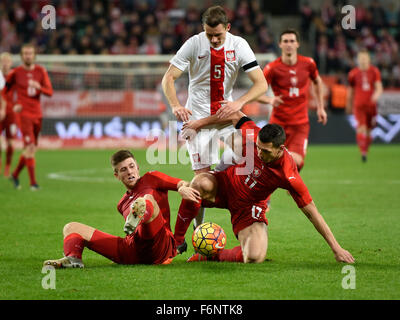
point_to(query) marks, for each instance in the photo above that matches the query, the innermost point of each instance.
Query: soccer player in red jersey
(30, 81)
(289, 77)
(363, 94)
(8, 118)
(245, 193)
(146, 212)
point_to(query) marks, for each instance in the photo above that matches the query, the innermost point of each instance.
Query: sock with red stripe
(148, 230)
(187, 211)
(74, 245)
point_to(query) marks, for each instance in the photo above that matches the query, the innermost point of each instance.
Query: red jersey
(29, 97)
(363, 83)
(265, 178)
(8, 96)
(155, 183)
(292, 83)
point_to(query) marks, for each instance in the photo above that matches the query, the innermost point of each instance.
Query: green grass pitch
(360, 202)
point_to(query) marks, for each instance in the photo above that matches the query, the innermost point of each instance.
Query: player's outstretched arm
(168, 86)
(319, 90)
(341, 255)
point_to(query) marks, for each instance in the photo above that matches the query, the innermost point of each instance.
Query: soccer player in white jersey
(213, 59)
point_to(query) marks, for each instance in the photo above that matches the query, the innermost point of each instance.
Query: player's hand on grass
(189, 193)
(343, 255)
(322, 116)
(228, 108)
(181, 113)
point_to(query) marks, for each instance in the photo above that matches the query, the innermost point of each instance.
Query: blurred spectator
(377, 29)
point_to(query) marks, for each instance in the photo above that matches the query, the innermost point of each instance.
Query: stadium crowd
(161, 27)
(122, 27)
(377, 29)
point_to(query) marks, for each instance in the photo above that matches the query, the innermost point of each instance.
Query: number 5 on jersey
(217, 71)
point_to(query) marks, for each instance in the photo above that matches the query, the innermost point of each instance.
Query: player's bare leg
(75, 234)
(206, 184)
(298, 159)
(254, 242)
(199, 219)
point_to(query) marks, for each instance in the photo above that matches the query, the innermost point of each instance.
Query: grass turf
(360, 202)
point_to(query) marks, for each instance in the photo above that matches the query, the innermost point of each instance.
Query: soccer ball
(208, 239)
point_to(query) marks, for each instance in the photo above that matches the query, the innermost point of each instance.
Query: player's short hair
(28, 45)
(272, 133)
(214, 16)
(290, 31)
(364, 51)
(120, 156)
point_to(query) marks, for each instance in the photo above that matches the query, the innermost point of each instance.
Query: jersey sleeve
(313, 69)
(10, 81)
(267, 71)
(183, 57)
(46, 87)
(2, 81)
(351, 77)
(248, 129)
(163, 181)
(294, 184)
(246, 57)
(377, 75)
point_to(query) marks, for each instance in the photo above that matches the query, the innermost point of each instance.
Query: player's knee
(254, 257)
(71, 227)
(206, 184)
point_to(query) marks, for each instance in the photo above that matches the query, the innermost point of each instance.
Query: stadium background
(106, 60)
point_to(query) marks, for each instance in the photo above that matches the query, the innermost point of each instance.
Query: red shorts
(10, 125)
(243, 212)
(151, 243)
(297, 138)
(30, 129)
(366, 117)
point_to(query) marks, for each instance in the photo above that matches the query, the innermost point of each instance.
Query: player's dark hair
(290, 31)
(214, 16)
(120, 156)
(272, 133)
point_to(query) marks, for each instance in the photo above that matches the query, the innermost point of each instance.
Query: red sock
(231, 255)
(9, 154)
(30, 164)
(187, 211)
(20, 166)
(362, 142)
(74, 245)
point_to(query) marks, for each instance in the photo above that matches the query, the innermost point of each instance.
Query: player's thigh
(206, 183)
(203, 148)
(254, 242)
(297, 139)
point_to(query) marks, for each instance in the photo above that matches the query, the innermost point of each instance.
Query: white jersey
(212, 72)
(2, 80)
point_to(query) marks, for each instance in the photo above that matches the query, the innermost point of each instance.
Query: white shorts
(204, 147)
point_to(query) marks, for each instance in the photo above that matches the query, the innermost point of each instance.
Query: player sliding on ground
(146, 212)
(268, 166)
